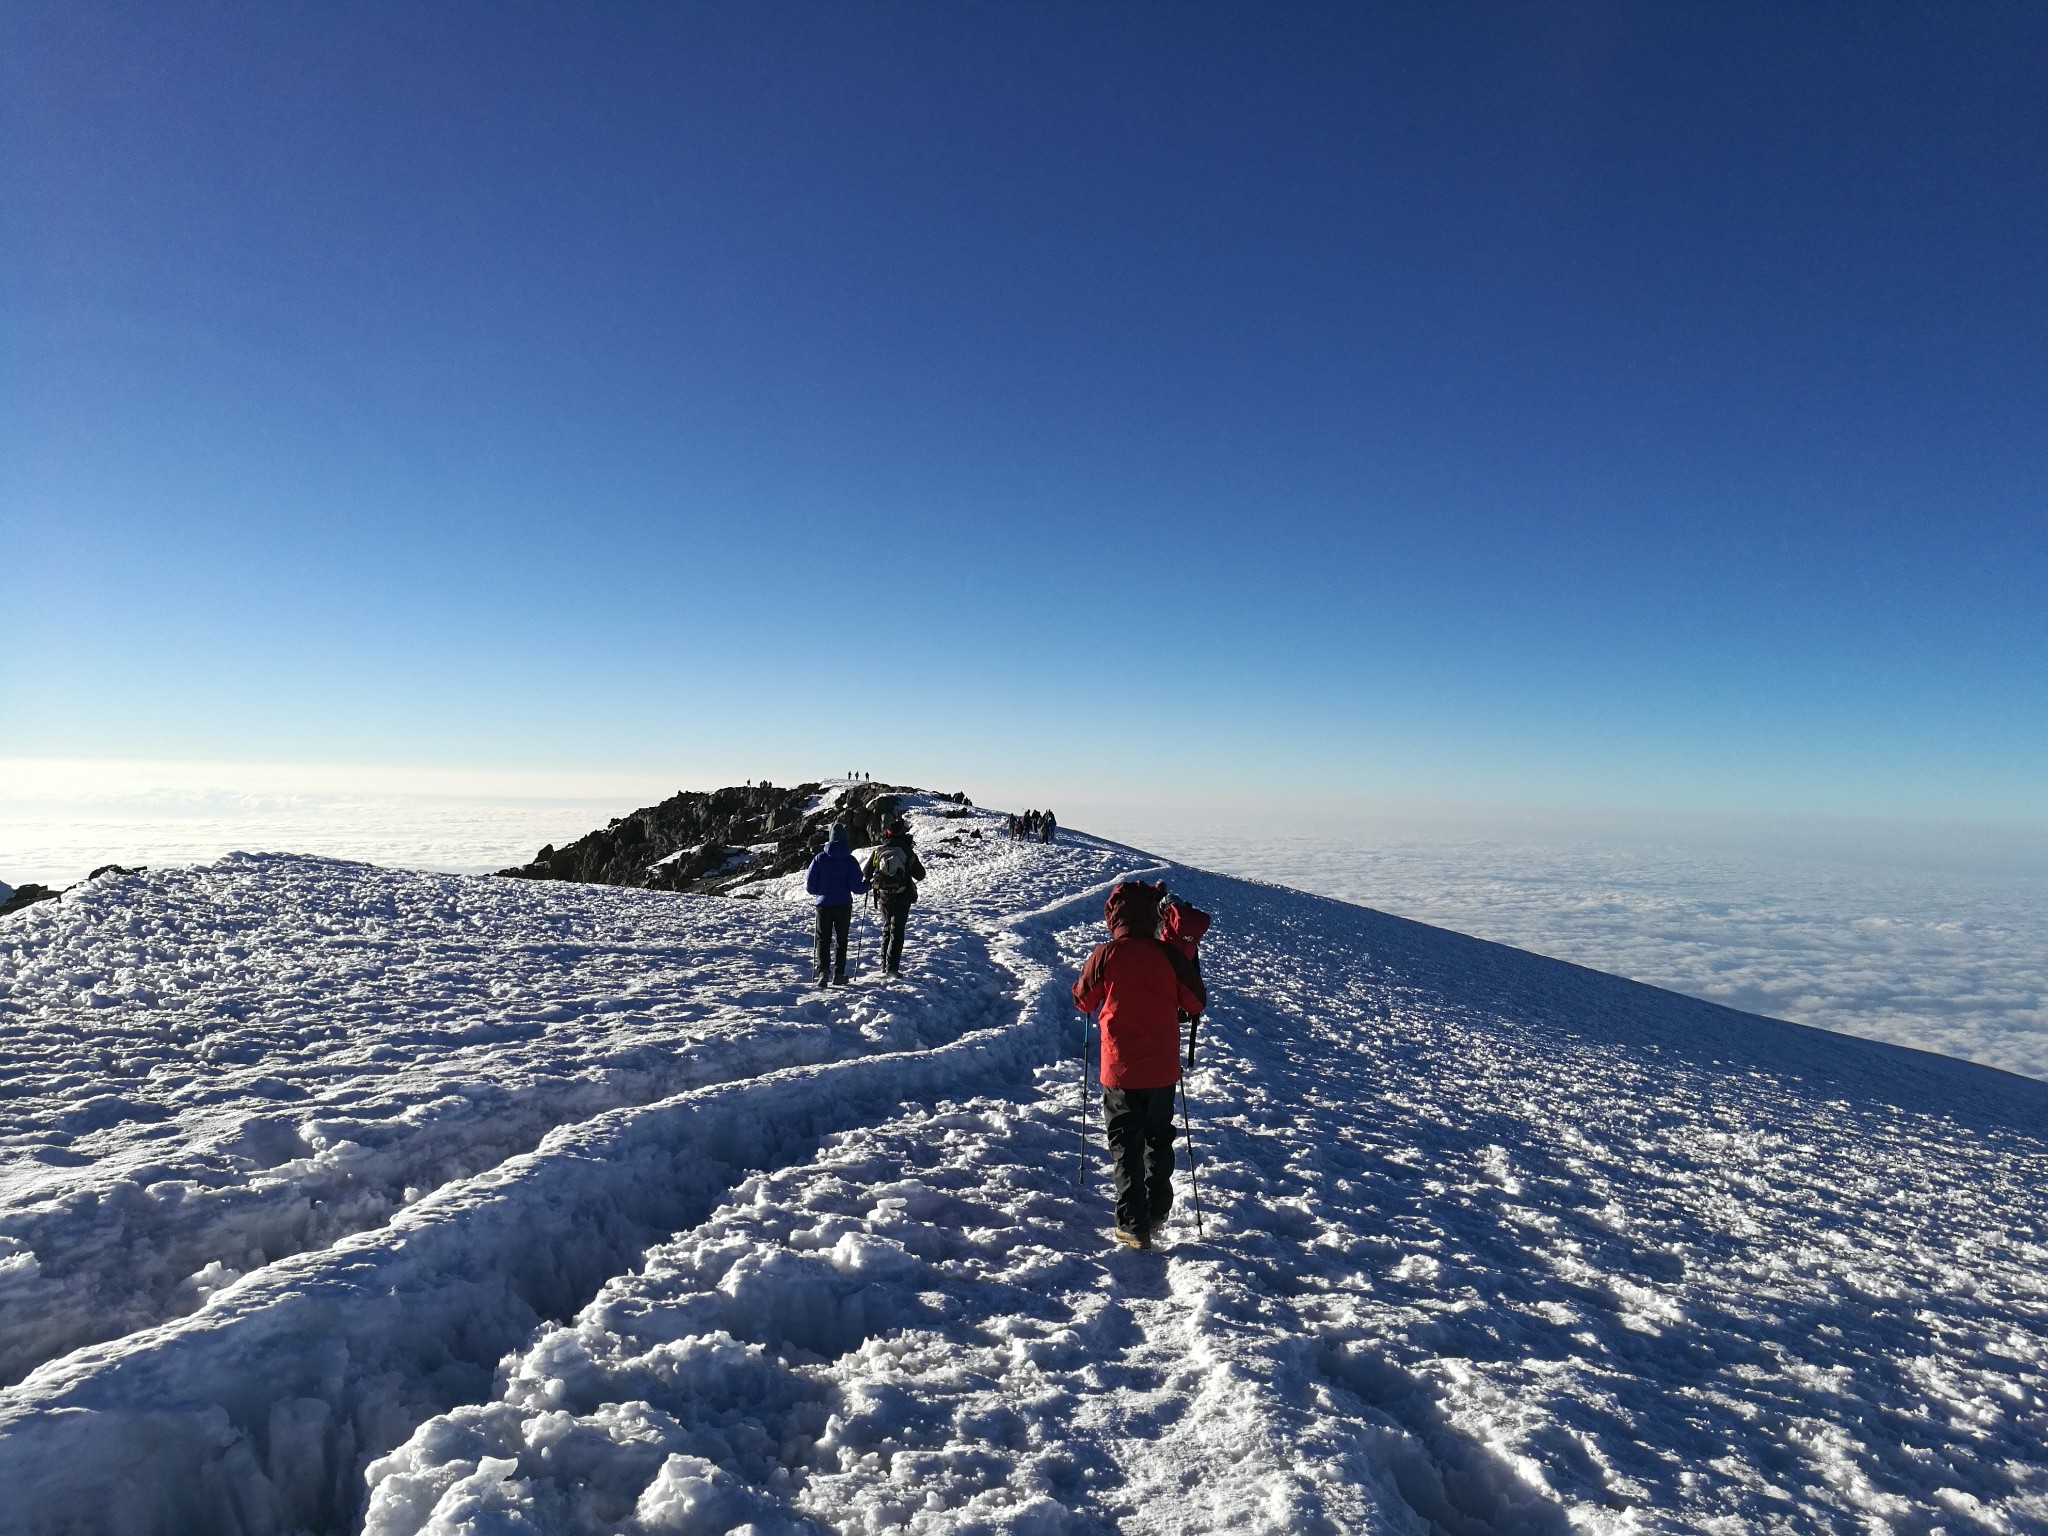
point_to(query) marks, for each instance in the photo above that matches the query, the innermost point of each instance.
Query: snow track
(330, 1041)
(1616, 1262)
(226, 1419)
(1495, 1245)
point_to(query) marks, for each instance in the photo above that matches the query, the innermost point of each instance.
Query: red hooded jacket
(1184, 926)
(1142, 985)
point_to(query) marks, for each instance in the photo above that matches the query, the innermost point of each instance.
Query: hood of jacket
(1183, 923)
(1132, 910)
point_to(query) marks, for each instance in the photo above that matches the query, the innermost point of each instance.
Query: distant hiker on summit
(834, 880)
(894, 870)
(1142, 986)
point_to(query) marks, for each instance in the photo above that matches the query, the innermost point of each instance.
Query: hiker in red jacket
(1142, 986)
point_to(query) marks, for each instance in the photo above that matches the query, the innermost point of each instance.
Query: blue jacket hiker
(834, 880)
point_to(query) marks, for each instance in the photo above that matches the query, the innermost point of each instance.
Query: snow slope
(1491, 1243)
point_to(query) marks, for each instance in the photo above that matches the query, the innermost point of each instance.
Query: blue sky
(1580, 405)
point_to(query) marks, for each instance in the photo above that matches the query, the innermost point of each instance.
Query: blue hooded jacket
(835, 877)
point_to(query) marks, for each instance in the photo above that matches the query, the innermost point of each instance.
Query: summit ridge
(348, 1199)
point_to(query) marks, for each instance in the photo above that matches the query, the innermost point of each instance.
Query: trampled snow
(210, 1069)
(430, 1204)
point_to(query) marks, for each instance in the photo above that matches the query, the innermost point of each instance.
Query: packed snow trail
(411, 1316)
(1495, 1245)
(1617, 1262)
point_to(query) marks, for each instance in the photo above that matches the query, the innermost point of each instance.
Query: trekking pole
(1187, 1126)
(1081, 1120)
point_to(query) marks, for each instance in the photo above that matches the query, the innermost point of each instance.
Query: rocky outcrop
(27, 896)
(18, 897)
(720, 842)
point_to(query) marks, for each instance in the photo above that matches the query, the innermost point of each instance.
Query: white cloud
(59, 818)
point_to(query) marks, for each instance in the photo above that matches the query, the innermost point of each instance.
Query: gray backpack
(892, 869)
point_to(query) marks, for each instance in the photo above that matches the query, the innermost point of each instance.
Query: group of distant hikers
(1140, 986)
(1033, 826)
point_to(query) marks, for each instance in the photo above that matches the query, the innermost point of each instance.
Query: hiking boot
(1140, 1239)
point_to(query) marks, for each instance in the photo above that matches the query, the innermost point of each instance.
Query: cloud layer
(59, 820)
(1945, 961)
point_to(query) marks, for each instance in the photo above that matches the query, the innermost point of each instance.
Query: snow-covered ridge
(1494, 1243)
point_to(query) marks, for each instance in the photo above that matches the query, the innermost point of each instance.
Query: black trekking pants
(1141, 1142)
(894, 917)
(833, 922)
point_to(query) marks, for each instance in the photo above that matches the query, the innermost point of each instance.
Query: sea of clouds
(1931, 938)
(1941, 948)
(61, 820)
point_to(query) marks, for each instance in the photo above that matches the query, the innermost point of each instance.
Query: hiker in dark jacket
(1139, 987)
(1182, 924)
(834, 880)
(894, 870)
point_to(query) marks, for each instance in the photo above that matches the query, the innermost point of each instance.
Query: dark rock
(27, 896)
(111, 869)
(710, 843)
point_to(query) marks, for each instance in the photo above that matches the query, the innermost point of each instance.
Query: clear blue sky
(1640, 404)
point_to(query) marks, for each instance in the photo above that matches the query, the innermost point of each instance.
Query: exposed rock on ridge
(27, 896)
(720, 842)
(14, 898)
